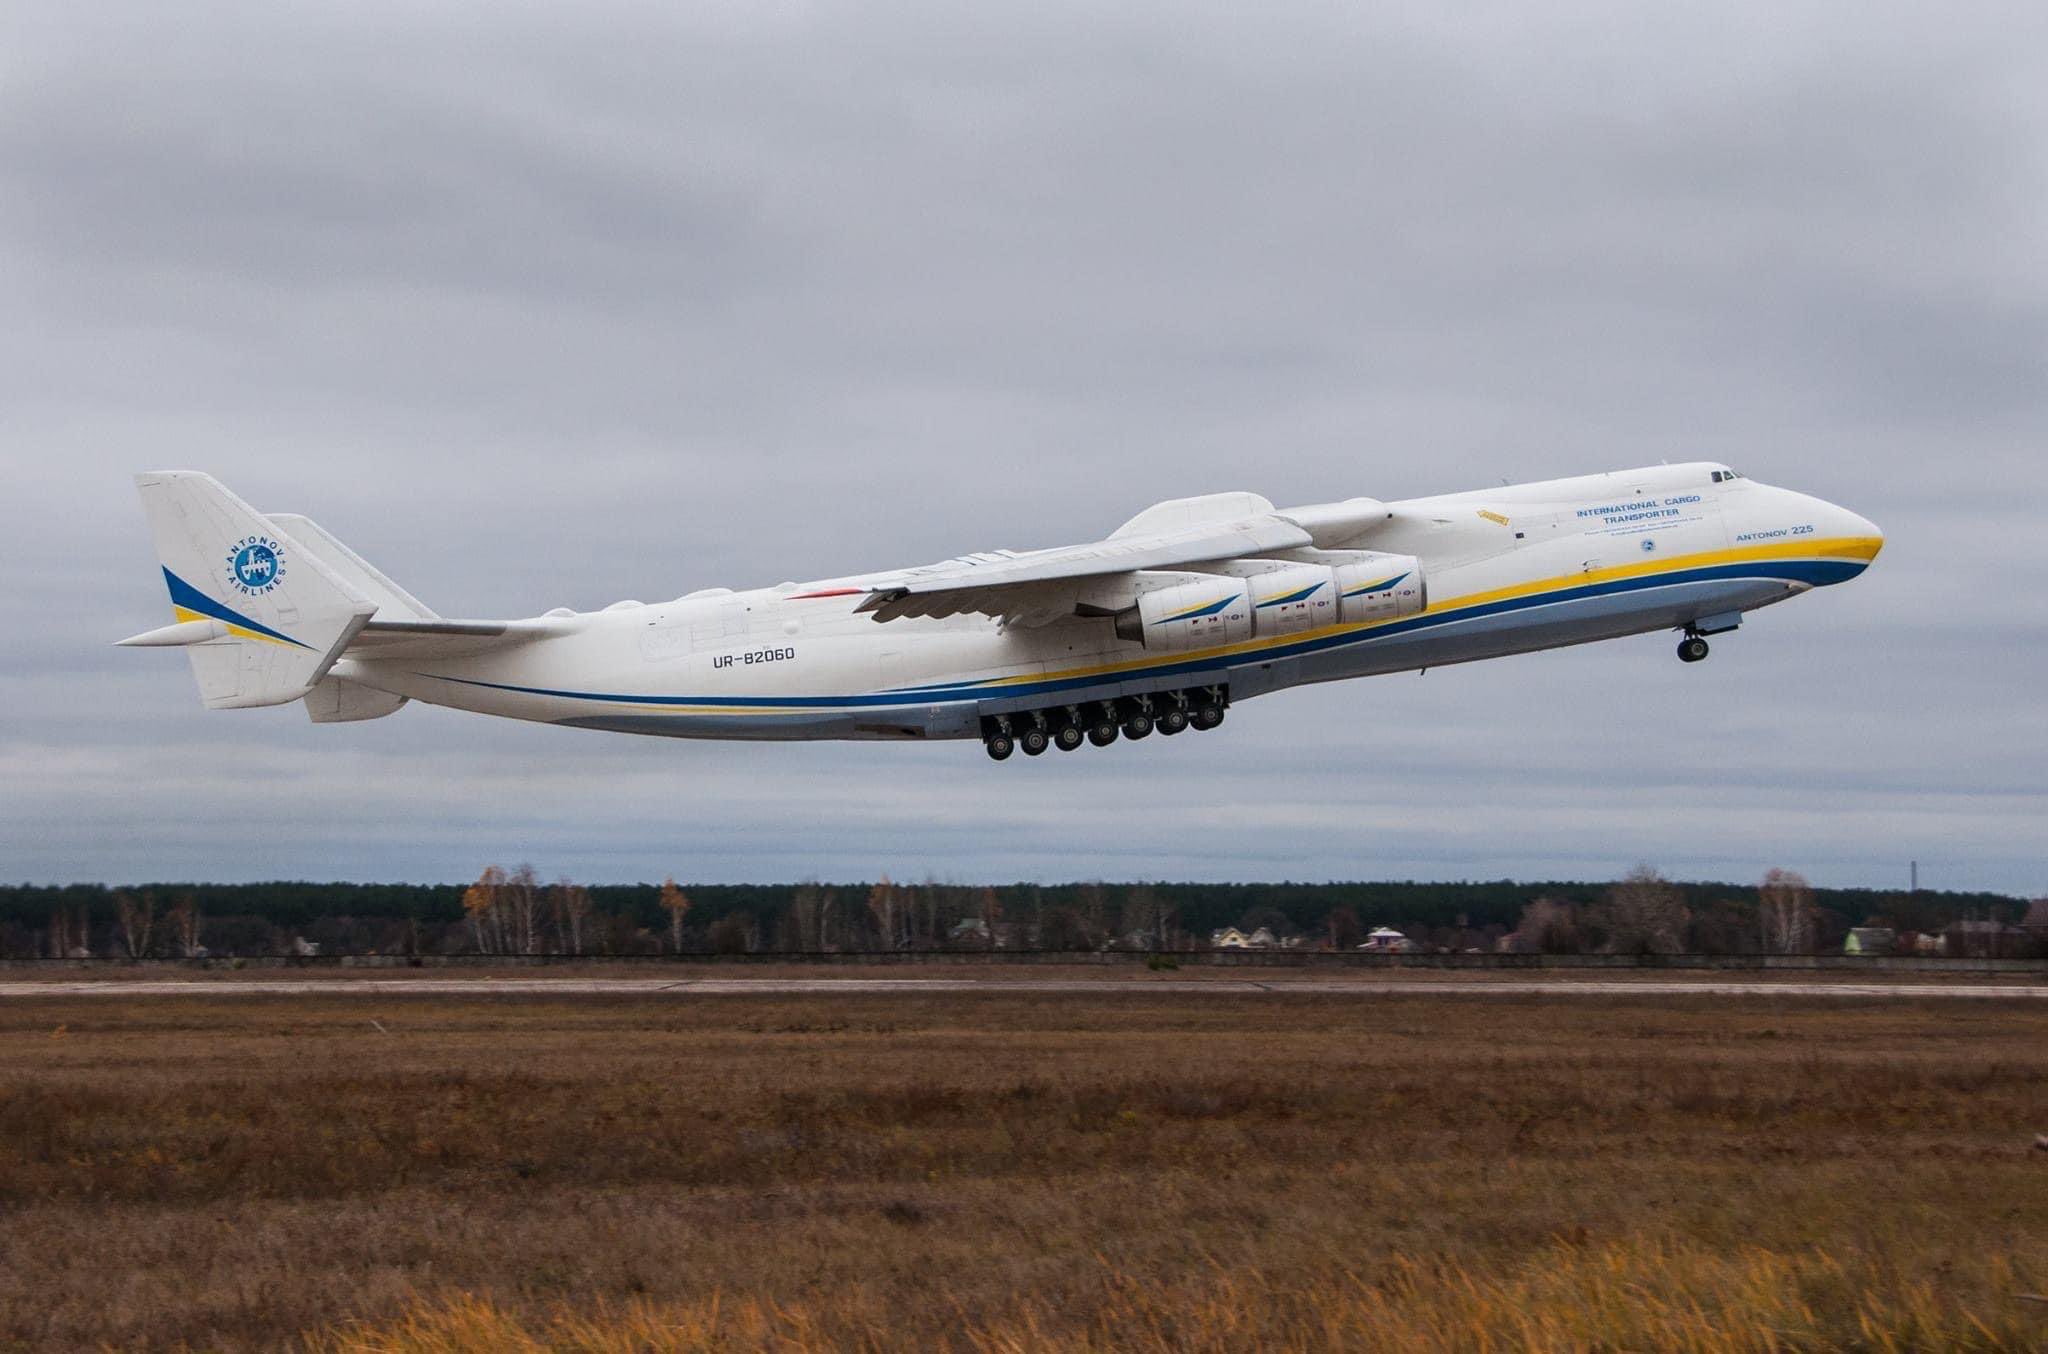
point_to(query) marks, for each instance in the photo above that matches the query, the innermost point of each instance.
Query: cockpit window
(1720, 475)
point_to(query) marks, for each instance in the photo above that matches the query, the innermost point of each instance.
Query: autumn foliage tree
(483, 909)
(677, 904)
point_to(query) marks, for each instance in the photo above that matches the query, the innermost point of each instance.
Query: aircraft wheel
(1068, 738)
(1208, 716)
(1102, 732)
(1033, 741)
(1172, 720)
(999, 746)
(1137, 726)
(1691, 649)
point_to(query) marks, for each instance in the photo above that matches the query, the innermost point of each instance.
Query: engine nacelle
(1290, 600)
(1190, 616)
(1376, 587)
(1355, 587)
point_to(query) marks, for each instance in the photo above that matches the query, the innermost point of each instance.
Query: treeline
(517, 912)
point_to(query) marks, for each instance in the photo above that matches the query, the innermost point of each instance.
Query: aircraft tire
(999, 746)
(1172, 720)
(1691, 649)
(1208, 716)
(1068, 737)
(1102, 732)
(1137, 726)
(1033, 741)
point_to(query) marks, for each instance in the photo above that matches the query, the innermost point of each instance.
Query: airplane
(1187, 609)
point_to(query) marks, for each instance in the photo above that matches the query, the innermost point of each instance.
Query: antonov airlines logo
(256, 565)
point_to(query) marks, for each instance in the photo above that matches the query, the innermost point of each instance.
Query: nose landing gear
(1691, 649)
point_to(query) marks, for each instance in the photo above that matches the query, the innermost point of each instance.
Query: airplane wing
(1037, 586)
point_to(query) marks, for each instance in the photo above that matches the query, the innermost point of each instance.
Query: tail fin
(262, 616)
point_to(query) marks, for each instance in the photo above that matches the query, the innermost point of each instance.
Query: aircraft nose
(1858, 528)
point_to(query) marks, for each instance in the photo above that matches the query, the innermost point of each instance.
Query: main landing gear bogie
(1103, 722)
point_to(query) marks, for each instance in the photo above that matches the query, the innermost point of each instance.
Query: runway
(864, 986)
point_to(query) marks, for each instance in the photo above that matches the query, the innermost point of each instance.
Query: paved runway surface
(561, 987)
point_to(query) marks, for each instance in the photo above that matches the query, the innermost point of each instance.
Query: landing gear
(1103, 722)
(1691, 649)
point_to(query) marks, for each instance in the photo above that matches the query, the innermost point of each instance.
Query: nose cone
(1859, 529)
(1848, 541)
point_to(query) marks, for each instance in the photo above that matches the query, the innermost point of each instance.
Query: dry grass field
(1011, 1171)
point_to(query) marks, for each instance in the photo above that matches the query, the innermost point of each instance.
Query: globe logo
(255, 567)
(1649, 544)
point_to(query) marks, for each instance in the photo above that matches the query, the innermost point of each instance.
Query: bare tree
(677, 904)
(1146, 913)
(1344, 927)
(1644, 914)
(810, 910)
(185, 926)
(137, 919)
(1092, 901)
(1548, 926)
(569, 904)
(1785, 913)
(522, 908)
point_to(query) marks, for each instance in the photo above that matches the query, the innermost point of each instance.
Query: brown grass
(1008, 1171)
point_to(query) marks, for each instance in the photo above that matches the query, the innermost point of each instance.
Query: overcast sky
(563, 304)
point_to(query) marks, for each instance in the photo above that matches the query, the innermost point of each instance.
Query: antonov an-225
(1191, 606)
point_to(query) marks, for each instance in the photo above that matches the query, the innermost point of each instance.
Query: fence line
(1182, 958)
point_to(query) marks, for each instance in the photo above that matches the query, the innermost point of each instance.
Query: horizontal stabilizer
(175, 635)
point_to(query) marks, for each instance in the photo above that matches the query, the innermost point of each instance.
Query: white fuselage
(1508, 570)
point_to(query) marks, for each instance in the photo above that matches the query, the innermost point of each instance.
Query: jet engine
(1352, 587)
(1190, 616)
(1372, 586)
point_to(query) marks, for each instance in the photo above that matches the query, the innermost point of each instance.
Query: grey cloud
(539, 306)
